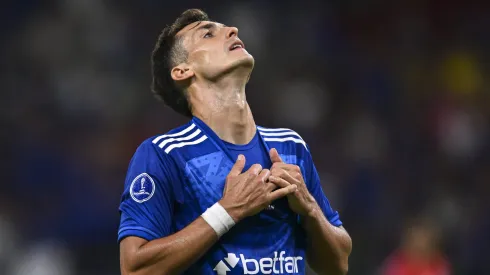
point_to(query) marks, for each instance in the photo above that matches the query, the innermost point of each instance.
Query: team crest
(142, 188)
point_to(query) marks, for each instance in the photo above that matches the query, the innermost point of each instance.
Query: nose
(232, 31)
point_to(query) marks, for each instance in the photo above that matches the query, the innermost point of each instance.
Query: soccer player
(220, 195)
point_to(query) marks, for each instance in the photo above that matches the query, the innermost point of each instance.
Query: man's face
(214, 49)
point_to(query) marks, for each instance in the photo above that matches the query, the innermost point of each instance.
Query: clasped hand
(283, 175)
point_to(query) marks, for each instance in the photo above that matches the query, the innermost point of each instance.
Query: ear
(181, 72)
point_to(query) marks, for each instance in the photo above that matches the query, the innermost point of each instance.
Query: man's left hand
(283, 174)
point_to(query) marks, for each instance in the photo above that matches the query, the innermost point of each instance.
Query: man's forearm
(329, 246)
(172, 254)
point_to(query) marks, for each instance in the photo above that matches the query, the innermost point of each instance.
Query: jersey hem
(134, 229)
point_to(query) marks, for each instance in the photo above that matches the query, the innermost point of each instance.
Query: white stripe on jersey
(191, 136)
(182, 144)
(287, 139)
(273, 134)
(272, 129)
(157, 139)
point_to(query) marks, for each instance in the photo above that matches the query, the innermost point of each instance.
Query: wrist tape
(217, 217)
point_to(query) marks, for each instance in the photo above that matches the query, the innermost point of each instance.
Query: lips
(236, 45)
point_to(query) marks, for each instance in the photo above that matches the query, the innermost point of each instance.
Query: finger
(264, 175)
(270, 186)
(286, 166)
(274, 155)
(255, 169)
(285, 175)
(279, 193)
(279, 182)
(238, 166)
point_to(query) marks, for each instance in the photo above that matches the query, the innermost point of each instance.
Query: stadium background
(392, 97)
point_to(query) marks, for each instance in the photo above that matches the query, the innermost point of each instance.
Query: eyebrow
(207, 26)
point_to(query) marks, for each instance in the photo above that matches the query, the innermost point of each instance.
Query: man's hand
(328, 246)
(284, 175)
(248, 193)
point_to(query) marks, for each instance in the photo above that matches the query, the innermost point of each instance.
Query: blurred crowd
(391, 96)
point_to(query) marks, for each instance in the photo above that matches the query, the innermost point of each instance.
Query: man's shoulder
(185, 141)
(159, 140)
(283, 138)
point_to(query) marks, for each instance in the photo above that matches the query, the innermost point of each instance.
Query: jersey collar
(217, 141)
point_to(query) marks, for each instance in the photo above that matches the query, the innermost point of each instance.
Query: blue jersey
(173, 178)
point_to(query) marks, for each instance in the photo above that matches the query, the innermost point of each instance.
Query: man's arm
(245, 194)
(169, 255)
(328, 247)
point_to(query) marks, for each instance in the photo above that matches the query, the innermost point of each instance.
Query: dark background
(392, 97)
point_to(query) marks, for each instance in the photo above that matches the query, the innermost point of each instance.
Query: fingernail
(240, 157)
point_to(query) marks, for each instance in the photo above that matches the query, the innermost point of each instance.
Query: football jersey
(173, 178)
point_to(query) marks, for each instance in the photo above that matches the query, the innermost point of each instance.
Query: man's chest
(205, 177)
(204, 182)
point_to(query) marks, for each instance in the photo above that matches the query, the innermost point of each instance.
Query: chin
(245, 61)
(238, 65)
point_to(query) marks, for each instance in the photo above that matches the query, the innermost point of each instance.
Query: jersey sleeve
(148, 198)
(313, 183)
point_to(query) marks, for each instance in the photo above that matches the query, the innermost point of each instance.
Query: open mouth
(237, 46)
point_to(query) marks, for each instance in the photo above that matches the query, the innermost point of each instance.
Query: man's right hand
(248, 193)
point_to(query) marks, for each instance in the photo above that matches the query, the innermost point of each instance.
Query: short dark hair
(167, 53)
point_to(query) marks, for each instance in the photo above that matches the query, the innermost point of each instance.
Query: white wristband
(217, 217)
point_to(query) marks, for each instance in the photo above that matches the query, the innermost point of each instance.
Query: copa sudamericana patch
(142, 188)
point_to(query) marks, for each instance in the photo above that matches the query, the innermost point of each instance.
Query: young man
(221, 195)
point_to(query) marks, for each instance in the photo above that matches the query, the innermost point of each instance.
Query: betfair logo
(276, 265)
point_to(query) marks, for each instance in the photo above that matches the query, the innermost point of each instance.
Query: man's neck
(224, 108)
